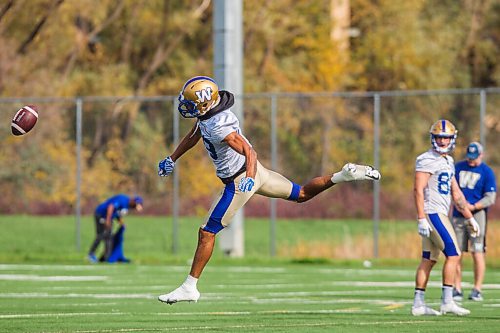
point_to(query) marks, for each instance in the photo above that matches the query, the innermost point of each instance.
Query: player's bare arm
(188, 142)
(241, 146)
(459, 199)
(462, 205)
(109, 215)
(421, 180)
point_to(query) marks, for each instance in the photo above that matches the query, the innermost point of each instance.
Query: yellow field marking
(393, 306)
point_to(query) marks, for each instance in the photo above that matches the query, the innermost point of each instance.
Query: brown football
(24, 120)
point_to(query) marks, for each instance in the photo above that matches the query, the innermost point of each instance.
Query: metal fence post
(482, 115)
(79, 107)
(175, 200)
(376, 162)
(274, 162)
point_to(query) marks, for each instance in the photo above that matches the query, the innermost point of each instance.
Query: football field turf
(234, 298)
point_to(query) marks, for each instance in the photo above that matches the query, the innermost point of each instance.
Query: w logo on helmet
(199, 95)
(204, 94)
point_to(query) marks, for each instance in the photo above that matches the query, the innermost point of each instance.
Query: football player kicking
(435, 186)
(237, 167)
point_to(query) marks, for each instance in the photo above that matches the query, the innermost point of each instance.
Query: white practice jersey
(213, 131)
(437, 194)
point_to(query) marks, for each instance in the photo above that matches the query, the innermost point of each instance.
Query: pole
(79, 107)
(274, 165)
(175, 200)
(482, 115)
(228, 73)
(376, 162)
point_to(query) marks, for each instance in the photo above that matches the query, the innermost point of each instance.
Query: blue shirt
(120, 203)
(474, 182)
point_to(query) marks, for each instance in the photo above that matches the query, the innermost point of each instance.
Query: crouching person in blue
(114, 208)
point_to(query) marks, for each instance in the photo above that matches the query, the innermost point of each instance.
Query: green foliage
(402, 45)
(125, 48)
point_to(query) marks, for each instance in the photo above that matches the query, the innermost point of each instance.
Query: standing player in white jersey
(435, 186)
(237, 167)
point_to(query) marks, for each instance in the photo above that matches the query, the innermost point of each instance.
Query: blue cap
(138, 200)
(474, 149)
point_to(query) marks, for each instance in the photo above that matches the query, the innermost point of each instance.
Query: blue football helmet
(198, 95)
(445, 129)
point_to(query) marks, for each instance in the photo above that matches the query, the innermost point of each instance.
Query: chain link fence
(85, 149)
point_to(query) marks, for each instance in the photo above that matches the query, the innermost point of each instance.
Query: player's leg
(457, 289)
(463, 243)
(108, 242)
(443, 237)
(479, 270)
(99, 232)
(478, 250)
(423, 272)
(350, 172)
(450, 270)
(219, 216)
(419, 308)
(188, 290)
(430, 255)
(448, 304)
(314, 187)
(275, 185)
(206, 243)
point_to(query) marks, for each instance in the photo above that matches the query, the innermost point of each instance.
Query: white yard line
(368, 284)
(62, 314)
(258, 326)
(97, 305)
(110, 287)
(182, 314)
(46, 267)
(30, 277)
(76, 295)
(327, 301)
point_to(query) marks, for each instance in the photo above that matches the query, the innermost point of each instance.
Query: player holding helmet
(435, 186)
(237, 167)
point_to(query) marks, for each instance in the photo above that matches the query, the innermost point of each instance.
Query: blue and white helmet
(443, 129)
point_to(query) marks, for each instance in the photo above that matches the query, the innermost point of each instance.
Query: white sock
(190, 282)
(447, 294)
(419, 298)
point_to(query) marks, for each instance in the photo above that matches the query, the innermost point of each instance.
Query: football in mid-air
(24, 120)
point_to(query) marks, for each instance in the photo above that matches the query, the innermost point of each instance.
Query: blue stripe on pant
(214, 224)
(449, 245)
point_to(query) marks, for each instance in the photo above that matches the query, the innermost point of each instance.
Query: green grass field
(46, 285)
(149, 239)
(235, 298)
